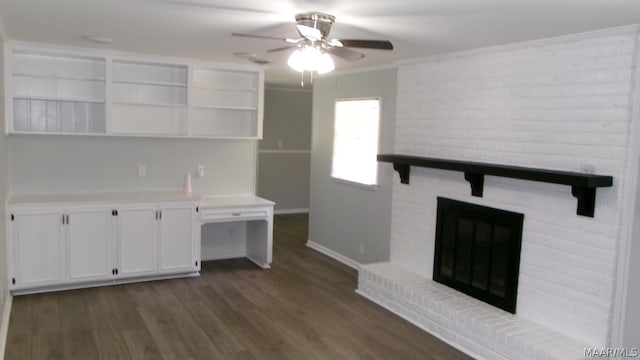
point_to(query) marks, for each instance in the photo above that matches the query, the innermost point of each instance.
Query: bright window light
(355, 141)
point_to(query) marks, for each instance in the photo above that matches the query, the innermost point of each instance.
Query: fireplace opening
(477, 251)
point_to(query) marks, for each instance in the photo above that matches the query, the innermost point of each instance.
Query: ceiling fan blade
(292, 41)
(367, 44)
(345, 53)
(282, 48)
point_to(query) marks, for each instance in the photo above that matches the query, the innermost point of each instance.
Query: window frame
(376, 181)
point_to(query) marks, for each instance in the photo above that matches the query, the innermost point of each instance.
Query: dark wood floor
(304, 307)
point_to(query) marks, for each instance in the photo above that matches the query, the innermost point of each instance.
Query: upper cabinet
(55, 93)
(148, 98)
(226, 103)
(53, 90)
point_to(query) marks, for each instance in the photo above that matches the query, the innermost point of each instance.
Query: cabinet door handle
(156, 214)
(62, 219)
(67, 219)
(236, 214)
(160, 212)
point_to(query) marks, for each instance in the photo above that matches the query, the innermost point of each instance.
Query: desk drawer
(224, 215)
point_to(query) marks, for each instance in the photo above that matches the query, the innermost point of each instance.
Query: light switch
(200, 170)
(142, 170)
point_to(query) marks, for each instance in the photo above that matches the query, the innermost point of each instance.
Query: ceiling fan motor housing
(316, 20)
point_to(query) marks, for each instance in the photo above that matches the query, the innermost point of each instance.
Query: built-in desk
(63, 241)
(255, 212)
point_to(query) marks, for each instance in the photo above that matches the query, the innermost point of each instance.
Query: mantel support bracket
(586, 200)
(404, 171)
(476, 181)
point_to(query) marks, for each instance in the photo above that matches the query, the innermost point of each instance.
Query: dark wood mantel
(583, 186)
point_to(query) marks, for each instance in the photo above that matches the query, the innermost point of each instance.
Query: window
(355, 141)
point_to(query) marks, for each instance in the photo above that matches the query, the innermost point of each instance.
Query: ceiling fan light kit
(313, 48)
(309, 58)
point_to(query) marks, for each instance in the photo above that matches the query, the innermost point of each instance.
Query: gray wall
(342, 216)
(85, 164)
(284, 156)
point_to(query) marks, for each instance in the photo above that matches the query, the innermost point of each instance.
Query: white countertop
(204, 201)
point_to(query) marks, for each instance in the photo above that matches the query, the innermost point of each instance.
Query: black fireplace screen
(477, 251)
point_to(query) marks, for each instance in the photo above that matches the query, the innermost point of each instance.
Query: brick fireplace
(561, 104)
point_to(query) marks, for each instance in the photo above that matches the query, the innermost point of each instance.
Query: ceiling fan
(314, 28)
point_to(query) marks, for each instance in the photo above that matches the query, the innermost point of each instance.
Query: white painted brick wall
(559, 105)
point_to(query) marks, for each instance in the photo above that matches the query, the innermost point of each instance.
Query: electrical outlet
(142, 170)
(200, 170)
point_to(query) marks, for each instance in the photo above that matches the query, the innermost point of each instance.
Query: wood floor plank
(47, 345)
(141, 345)
(304, 307)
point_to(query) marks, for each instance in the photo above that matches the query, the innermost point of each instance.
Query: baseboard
(4, 325)
(290, 211)
(334, 255)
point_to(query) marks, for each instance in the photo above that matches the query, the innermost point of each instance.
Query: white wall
(631, 331)
(285, 149)
(4, 191)
(93, 164)
(344, 216)
(557, 104)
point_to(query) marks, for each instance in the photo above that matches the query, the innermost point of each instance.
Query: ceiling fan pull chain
(302, 78)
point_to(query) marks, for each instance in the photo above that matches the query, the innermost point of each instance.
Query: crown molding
(620, 30)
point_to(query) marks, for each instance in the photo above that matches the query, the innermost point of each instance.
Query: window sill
(358, 185)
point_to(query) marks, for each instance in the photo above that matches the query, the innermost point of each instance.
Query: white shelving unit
(226, 103)
(58, 93)
(76, 91)
(148, 98)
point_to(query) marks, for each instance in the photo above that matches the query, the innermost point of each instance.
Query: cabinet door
(91, 244)
(178, 239)
(39, 248)
(137, 238)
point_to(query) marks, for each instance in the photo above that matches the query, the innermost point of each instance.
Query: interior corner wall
(346, 218)
(284, 154)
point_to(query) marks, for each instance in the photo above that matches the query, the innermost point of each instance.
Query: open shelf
(583, 186)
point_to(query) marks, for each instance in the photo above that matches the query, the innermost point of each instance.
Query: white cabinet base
(60, 242)
(118, 281)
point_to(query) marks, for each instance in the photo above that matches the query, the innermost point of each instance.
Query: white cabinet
(38, 247)
(53, 90)
(137, 234)
(158, 239)
(149, 98)
(227, 103)
(61, 245)
(57, 93)
(178, 229)
(92, 250)
(80, 244)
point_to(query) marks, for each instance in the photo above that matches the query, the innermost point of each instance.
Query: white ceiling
(202, 28)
